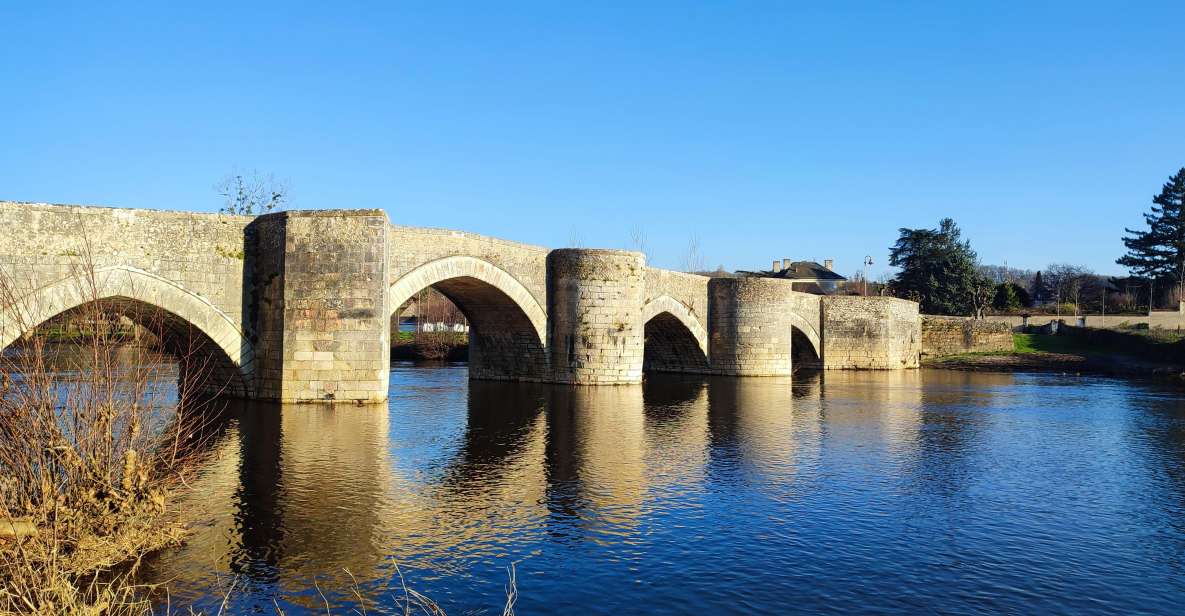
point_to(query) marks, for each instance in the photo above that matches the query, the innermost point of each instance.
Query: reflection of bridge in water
(297, 306)
(299, 492)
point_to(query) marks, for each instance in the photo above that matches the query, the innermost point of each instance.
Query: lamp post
(867, 262)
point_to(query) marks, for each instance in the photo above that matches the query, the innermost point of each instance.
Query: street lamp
(867, 262)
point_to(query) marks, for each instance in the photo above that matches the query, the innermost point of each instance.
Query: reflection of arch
(507, 326)
(808, 331)
(675, 340)
(435, 272)
(137, 292)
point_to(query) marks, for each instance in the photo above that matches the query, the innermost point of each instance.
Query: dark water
(932, 492)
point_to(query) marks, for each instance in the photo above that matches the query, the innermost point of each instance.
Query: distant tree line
(940, 270)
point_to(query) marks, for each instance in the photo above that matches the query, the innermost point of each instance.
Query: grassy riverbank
(1145, 353)
(448, 346)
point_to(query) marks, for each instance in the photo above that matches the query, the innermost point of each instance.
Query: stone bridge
(297, 306)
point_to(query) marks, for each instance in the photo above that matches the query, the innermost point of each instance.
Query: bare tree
(982, 291)
(251, 194)
(575, 238)
(693, 259)
(637, 239)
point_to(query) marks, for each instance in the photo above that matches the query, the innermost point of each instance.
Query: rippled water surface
(898, 492)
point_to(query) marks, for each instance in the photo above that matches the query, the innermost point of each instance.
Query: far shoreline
(1101, 364)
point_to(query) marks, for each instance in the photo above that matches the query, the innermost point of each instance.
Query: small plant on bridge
(249, 195)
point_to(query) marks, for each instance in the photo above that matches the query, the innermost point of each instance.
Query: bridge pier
(595, 329)
(750, 326)
(319, 282)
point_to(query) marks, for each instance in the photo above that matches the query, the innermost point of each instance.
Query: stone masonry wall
(336, 342)
(1167, 319)
(263, 292)
(954, 335)
(178, 274)
(870, 333)
(202, 253)
(503, 342)
(595, 332)
(691, 290)
(299, 302)
(415, 246)
(805, 309)
(750, 326)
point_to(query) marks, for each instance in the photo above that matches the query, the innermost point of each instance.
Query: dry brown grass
(93, 451)
(89, 454)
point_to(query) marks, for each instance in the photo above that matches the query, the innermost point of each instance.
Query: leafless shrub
(91, 446)
(434, 308)
(693, 258)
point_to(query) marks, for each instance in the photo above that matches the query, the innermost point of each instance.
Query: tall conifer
(1159, 252)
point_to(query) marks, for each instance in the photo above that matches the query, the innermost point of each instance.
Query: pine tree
(938, 270)
(1159, 252)
(1039, 293)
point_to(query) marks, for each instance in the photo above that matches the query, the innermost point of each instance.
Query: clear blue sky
(768, 130)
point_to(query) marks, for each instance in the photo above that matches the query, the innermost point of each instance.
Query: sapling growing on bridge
(250, 195)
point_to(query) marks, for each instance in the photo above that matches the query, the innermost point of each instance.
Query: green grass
(1154, 334)
(450, 337)
(1148, 344)
(1042, 343)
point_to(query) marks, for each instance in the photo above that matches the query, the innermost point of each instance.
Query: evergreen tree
(938, 270)
(1006, 299)
(1022, 295)
(1159, 252)
(1039, 293)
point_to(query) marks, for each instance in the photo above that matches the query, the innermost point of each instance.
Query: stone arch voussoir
(125, 282)
(808, 329)
(677, 309)
(448, 268)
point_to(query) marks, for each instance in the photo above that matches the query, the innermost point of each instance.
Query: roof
(807, 270)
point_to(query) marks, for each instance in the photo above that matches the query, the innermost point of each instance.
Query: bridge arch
(675, 341)
(508, 327)
(133, 292)
(808, 331)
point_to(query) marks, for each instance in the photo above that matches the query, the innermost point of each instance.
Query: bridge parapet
(43, 244)
(412, 247)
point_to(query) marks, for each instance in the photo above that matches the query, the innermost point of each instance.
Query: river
(902, 492)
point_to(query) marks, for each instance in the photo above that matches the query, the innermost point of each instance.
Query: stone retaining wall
(870, 333)
(1167, 319)
(943, 335)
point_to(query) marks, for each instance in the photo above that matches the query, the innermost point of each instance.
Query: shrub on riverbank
(88, 458)
(450, 346)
